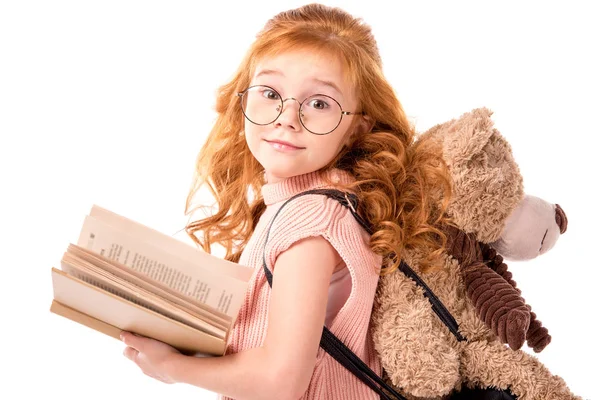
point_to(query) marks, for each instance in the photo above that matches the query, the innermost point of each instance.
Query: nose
(289, 115)
(561, 219)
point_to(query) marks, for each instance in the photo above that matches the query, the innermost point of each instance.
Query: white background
(108, 102)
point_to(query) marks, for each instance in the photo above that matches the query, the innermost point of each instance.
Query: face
(298, 75)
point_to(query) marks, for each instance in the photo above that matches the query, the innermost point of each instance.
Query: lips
(284, 143)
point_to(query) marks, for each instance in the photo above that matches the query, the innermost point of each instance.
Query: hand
(149, 354)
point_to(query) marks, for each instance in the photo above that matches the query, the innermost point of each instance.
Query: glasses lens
(320, 114)
(261, 104)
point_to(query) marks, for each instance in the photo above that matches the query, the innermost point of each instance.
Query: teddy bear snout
(561, 219)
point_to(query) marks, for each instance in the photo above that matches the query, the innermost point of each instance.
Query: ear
(364, 124)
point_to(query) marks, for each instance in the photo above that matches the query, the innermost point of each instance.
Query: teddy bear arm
(537, 336)
(498, 304)
(494, 364)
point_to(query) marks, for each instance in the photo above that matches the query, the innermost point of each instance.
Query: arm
(283, 366)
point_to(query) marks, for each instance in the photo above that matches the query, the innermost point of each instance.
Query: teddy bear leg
(493, 364)
(417, 351)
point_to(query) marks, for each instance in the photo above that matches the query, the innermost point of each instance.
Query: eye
(270, 94)
(318, 104)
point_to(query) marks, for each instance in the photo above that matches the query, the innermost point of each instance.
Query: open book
(122, 275)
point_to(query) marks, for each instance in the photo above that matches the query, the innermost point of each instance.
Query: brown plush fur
(420, 356)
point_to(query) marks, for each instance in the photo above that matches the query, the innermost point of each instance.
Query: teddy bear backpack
(342, 354)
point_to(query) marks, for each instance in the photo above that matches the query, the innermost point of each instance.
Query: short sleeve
(306, 216)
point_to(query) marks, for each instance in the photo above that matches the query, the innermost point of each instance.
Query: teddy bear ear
(466, 136)
(487, 183)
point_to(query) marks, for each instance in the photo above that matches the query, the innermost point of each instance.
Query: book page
(103, 280)
(167, 243)
(198, 281)
(89, 259)
(123, 314)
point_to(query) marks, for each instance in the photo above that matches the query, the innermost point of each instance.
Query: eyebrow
(316, 80)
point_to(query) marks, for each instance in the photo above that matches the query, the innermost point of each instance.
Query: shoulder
(313, 250)
(316, 212)
(314, 215)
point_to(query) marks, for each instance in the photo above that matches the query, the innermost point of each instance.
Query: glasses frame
(282, 100)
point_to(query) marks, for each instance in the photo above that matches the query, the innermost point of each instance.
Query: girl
(308, 108)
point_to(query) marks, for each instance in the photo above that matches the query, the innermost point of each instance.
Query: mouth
(544, 238)
(281, 145)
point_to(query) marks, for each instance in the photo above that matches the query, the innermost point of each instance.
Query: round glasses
(319, 114)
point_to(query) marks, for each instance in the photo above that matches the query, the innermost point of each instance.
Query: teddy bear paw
(513, 329)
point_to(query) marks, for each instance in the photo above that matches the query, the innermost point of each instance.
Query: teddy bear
(492, 219)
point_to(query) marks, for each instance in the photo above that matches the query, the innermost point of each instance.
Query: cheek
(252, 139)
(248, 129)
(326, 150)
(336, 143)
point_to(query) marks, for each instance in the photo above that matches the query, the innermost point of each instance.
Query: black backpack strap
(350, 201)
(329, 342)
(436, 304)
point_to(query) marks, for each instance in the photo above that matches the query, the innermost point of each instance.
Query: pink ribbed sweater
(306, 216)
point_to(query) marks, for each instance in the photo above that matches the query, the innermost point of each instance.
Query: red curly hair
(402, 184)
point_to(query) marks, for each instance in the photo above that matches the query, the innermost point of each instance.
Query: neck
(284, 188)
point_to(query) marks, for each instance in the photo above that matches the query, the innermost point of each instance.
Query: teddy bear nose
(561, 219)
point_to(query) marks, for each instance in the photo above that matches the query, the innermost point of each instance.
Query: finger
(131, 353)
(132, 340)
(124, 335)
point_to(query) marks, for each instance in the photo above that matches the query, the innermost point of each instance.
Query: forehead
(304, 67)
